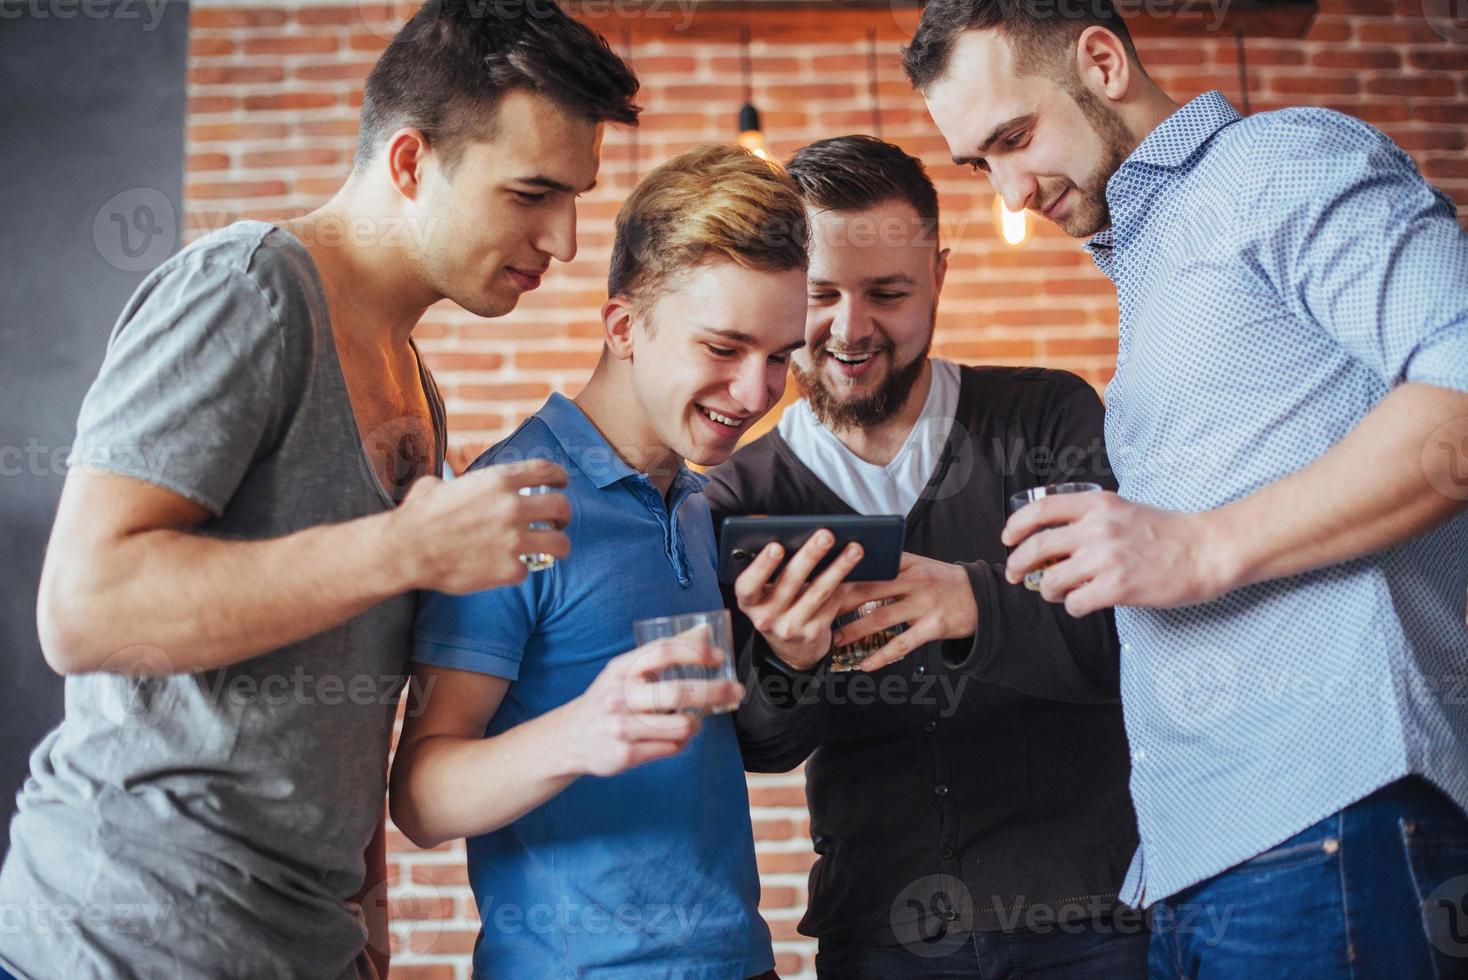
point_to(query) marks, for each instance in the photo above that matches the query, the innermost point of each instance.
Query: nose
(1017, 190)
(850, 326)
(557, 237)
(750, 387)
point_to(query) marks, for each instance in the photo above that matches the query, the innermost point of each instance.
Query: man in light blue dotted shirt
(1289, 428)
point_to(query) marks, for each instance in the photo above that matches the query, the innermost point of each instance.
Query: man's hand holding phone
(792, 611)
(934, 598)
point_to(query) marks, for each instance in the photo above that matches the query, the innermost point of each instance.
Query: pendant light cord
(1243, 69)
(872, 82)
(636, 146)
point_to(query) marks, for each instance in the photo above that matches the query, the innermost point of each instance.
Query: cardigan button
(941, 790)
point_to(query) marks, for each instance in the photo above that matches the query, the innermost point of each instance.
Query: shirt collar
(1173, 143)
(588, 450)
(1183, 133)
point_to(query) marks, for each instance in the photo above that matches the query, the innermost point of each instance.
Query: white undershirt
(866, 487)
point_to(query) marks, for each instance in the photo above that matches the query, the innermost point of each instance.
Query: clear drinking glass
(850, 656)
(538, 562)
(721, 638)
(1027, 497)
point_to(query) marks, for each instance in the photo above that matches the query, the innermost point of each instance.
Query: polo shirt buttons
(941, 790)
(930, 727)
(922, 668)
(947, 852)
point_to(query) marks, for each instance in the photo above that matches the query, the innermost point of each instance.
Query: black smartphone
(881, 536)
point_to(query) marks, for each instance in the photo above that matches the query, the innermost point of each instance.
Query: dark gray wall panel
(91, 145)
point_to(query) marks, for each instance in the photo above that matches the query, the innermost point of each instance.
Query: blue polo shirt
(650, 872)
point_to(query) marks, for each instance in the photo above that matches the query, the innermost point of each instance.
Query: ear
(940, 272)
(407, 153)
(617, 316)
(1102, 63)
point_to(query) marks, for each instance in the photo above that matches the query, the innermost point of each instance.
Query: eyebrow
(994, 134)
(896, 279)
(554, 185)
(748, 341)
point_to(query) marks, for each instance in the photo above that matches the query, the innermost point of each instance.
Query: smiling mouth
(852, 357)
(729, 422)
(1051, 206)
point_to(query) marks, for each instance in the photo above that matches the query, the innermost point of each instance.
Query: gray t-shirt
(213, 824)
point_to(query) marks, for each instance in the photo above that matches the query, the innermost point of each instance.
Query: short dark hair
(1042, 33)
(854, 173)
(450, 66)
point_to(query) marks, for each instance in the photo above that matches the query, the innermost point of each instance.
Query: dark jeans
(1378, 891)
(1103, 950)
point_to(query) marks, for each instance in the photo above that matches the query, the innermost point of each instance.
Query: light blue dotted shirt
(1277, 276)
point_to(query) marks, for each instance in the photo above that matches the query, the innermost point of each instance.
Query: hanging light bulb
(1013, 226)
(751, 133)
(751, 136)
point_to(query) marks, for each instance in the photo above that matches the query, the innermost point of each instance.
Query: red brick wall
(274, 93)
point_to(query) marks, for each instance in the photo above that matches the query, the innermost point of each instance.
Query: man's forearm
(445, 787)
(1378, 486)
(167, 602)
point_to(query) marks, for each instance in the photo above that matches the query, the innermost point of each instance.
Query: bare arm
(1385, 482)
(129, 587)
(450, 781)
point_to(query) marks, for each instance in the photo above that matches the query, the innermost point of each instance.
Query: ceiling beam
(895, 20)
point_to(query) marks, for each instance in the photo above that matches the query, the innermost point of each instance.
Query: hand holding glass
(720, 638)
(1027, 497)
(538, 562)
(849, 657)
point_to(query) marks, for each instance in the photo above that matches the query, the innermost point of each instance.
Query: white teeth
(723, 419)
(851, 358)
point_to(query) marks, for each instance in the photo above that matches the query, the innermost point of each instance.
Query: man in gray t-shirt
(230, 582)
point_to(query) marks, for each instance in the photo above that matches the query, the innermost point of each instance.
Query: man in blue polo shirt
(607, 839)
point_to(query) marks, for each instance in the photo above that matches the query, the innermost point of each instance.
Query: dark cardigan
(999, 760)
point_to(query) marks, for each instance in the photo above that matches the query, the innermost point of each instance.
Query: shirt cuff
(1443, 362)
(781, 686)
(440, 653)
(972, 654)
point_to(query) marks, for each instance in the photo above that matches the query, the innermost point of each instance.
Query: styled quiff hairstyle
(1041, 33)
(716, 201)
(854, 173)
(448, 69)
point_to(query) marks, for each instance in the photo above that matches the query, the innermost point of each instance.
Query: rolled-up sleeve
(1361, 245)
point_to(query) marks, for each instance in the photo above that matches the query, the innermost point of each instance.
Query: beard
(1091, 213)
(836, 413)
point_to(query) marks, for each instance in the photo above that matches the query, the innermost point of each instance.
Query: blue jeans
(1113, 950)
(1378, 891)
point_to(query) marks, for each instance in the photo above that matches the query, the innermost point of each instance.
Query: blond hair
(715, 201)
